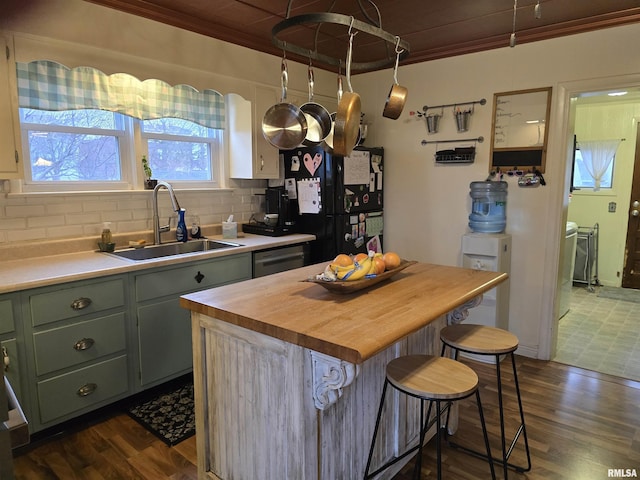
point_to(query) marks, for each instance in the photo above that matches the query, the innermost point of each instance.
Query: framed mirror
(519, 130)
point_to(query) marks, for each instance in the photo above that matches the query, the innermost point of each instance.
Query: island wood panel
(305, 314)
(257, 408)
(256, 416)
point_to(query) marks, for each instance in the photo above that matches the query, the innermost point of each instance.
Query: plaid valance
(46, 85)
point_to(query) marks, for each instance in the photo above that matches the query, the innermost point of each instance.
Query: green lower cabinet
(83, 389)
(89, 343)
(164, 339)
(164, 327)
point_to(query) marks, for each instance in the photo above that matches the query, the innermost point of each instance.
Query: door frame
(561, 147)
(633, 226)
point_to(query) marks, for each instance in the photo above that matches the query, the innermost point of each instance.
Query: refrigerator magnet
(290, 187)
(295, 163)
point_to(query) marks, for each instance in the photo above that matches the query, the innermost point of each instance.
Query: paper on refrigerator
(309, 199)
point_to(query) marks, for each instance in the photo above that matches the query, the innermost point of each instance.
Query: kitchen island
(288, 375)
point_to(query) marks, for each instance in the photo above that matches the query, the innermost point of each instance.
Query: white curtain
(597, 155)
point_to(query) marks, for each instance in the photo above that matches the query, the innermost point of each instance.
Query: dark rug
(168, 415)
(616, 293)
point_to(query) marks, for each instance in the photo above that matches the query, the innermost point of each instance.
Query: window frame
(216, 149)
(132, 144)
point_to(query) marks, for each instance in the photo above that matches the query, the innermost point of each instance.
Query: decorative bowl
(356, 285)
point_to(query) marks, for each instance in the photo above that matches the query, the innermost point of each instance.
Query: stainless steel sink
(176, 248)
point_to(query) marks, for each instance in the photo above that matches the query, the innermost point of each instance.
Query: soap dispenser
(181, 229)
(106, 233)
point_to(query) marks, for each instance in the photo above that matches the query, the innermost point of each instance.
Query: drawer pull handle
(87, 389)
(6, 361)
(81, 303)
(199, 277)
(84, 344)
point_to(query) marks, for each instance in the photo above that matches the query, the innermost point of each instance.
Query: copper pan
(398, 94)
(347, 124)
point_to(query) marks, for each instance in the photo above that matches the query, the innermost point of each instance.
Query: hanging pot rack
(352, 24)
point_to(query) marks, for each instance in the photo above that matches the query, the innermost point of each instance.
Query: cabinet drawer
(63, 395)
(183, 279)
(6, 316)
(78, 343)
(75, 301)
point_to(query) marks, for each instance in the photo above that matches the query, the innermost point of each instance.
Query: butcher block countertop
(352, 327)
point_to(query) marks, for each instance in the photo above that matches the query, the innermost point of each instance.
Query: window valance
(47, 85)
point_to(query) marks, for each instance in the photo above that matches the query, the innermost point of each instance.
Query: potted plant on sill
(149, 183)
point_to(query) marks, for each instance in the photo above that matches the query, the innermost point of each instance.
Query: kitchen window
(583, 179)
(84, 130)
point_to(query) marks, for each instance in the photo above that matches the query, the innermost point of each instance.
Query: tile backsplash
(41, 217)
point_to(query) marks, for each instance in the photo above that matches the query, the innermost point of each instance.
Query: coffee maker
(276, 201)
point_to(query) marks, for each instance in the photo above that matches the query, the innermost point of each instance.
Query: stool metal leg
(506, 452)
(522, 429)
(485, 435)
(375, 431)
(505, 465)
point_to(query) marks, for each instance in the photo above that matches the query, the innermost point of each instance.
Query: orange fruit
(379, 265)
(391, 260)
(360, 257)
(342, 260)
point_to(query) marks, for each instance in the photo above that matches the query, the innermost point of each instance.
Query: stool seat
(435, 380)
(432, 377)
(479, 339)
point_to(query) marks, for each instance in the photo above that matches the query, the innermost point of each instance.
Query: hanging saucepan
(398, 94)
(318, 118)
(327, 144)
(347, 123)
(284, 125)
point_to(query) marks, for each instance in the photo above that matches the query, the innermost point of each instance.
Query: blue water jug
(488, 207)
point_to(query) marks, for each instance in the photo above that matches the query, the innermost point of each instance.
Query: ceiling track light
(537, 12)
(512, 39)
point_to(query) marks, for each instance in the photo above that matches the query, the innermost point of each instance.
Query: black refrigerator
(337, 199)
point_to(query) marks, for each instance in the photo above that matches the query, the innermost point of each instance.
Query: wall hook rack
(477, 139)
(457, 155)
(482, 101)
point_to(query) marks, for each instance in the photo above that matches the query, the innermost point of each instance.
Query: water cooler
(491, 252)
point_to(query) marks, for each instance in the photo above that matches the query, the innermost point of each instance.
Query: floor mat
(168, 415)
(616, 293)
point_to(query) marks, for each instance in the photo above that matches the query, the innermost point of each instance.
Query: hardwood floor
(580, 424)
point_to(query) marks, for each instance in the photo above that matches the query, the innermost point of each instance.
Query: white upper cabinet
(250, 155)
(10, 151)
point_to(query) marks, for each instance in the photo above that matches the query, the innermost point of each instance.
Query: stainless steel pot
(284, 125)
(319, 121)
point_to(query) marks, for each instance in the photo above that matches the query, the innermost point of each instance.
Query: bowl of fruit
(346, 273)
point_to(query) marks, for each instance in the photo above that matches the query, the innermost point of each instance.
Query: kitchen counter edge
(23, 274)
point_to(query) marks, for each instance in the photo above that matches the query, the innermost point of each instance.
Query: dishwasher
(274, 260)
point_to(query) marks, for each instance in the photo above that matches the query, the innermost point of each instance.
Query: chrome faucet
(157, 229)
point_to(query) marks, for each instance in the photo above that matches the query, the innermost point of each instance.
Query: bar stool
(436, 380)
(483, 340)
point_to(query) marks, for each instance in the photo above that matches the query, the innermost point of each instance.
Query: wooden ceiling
(433, 28)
